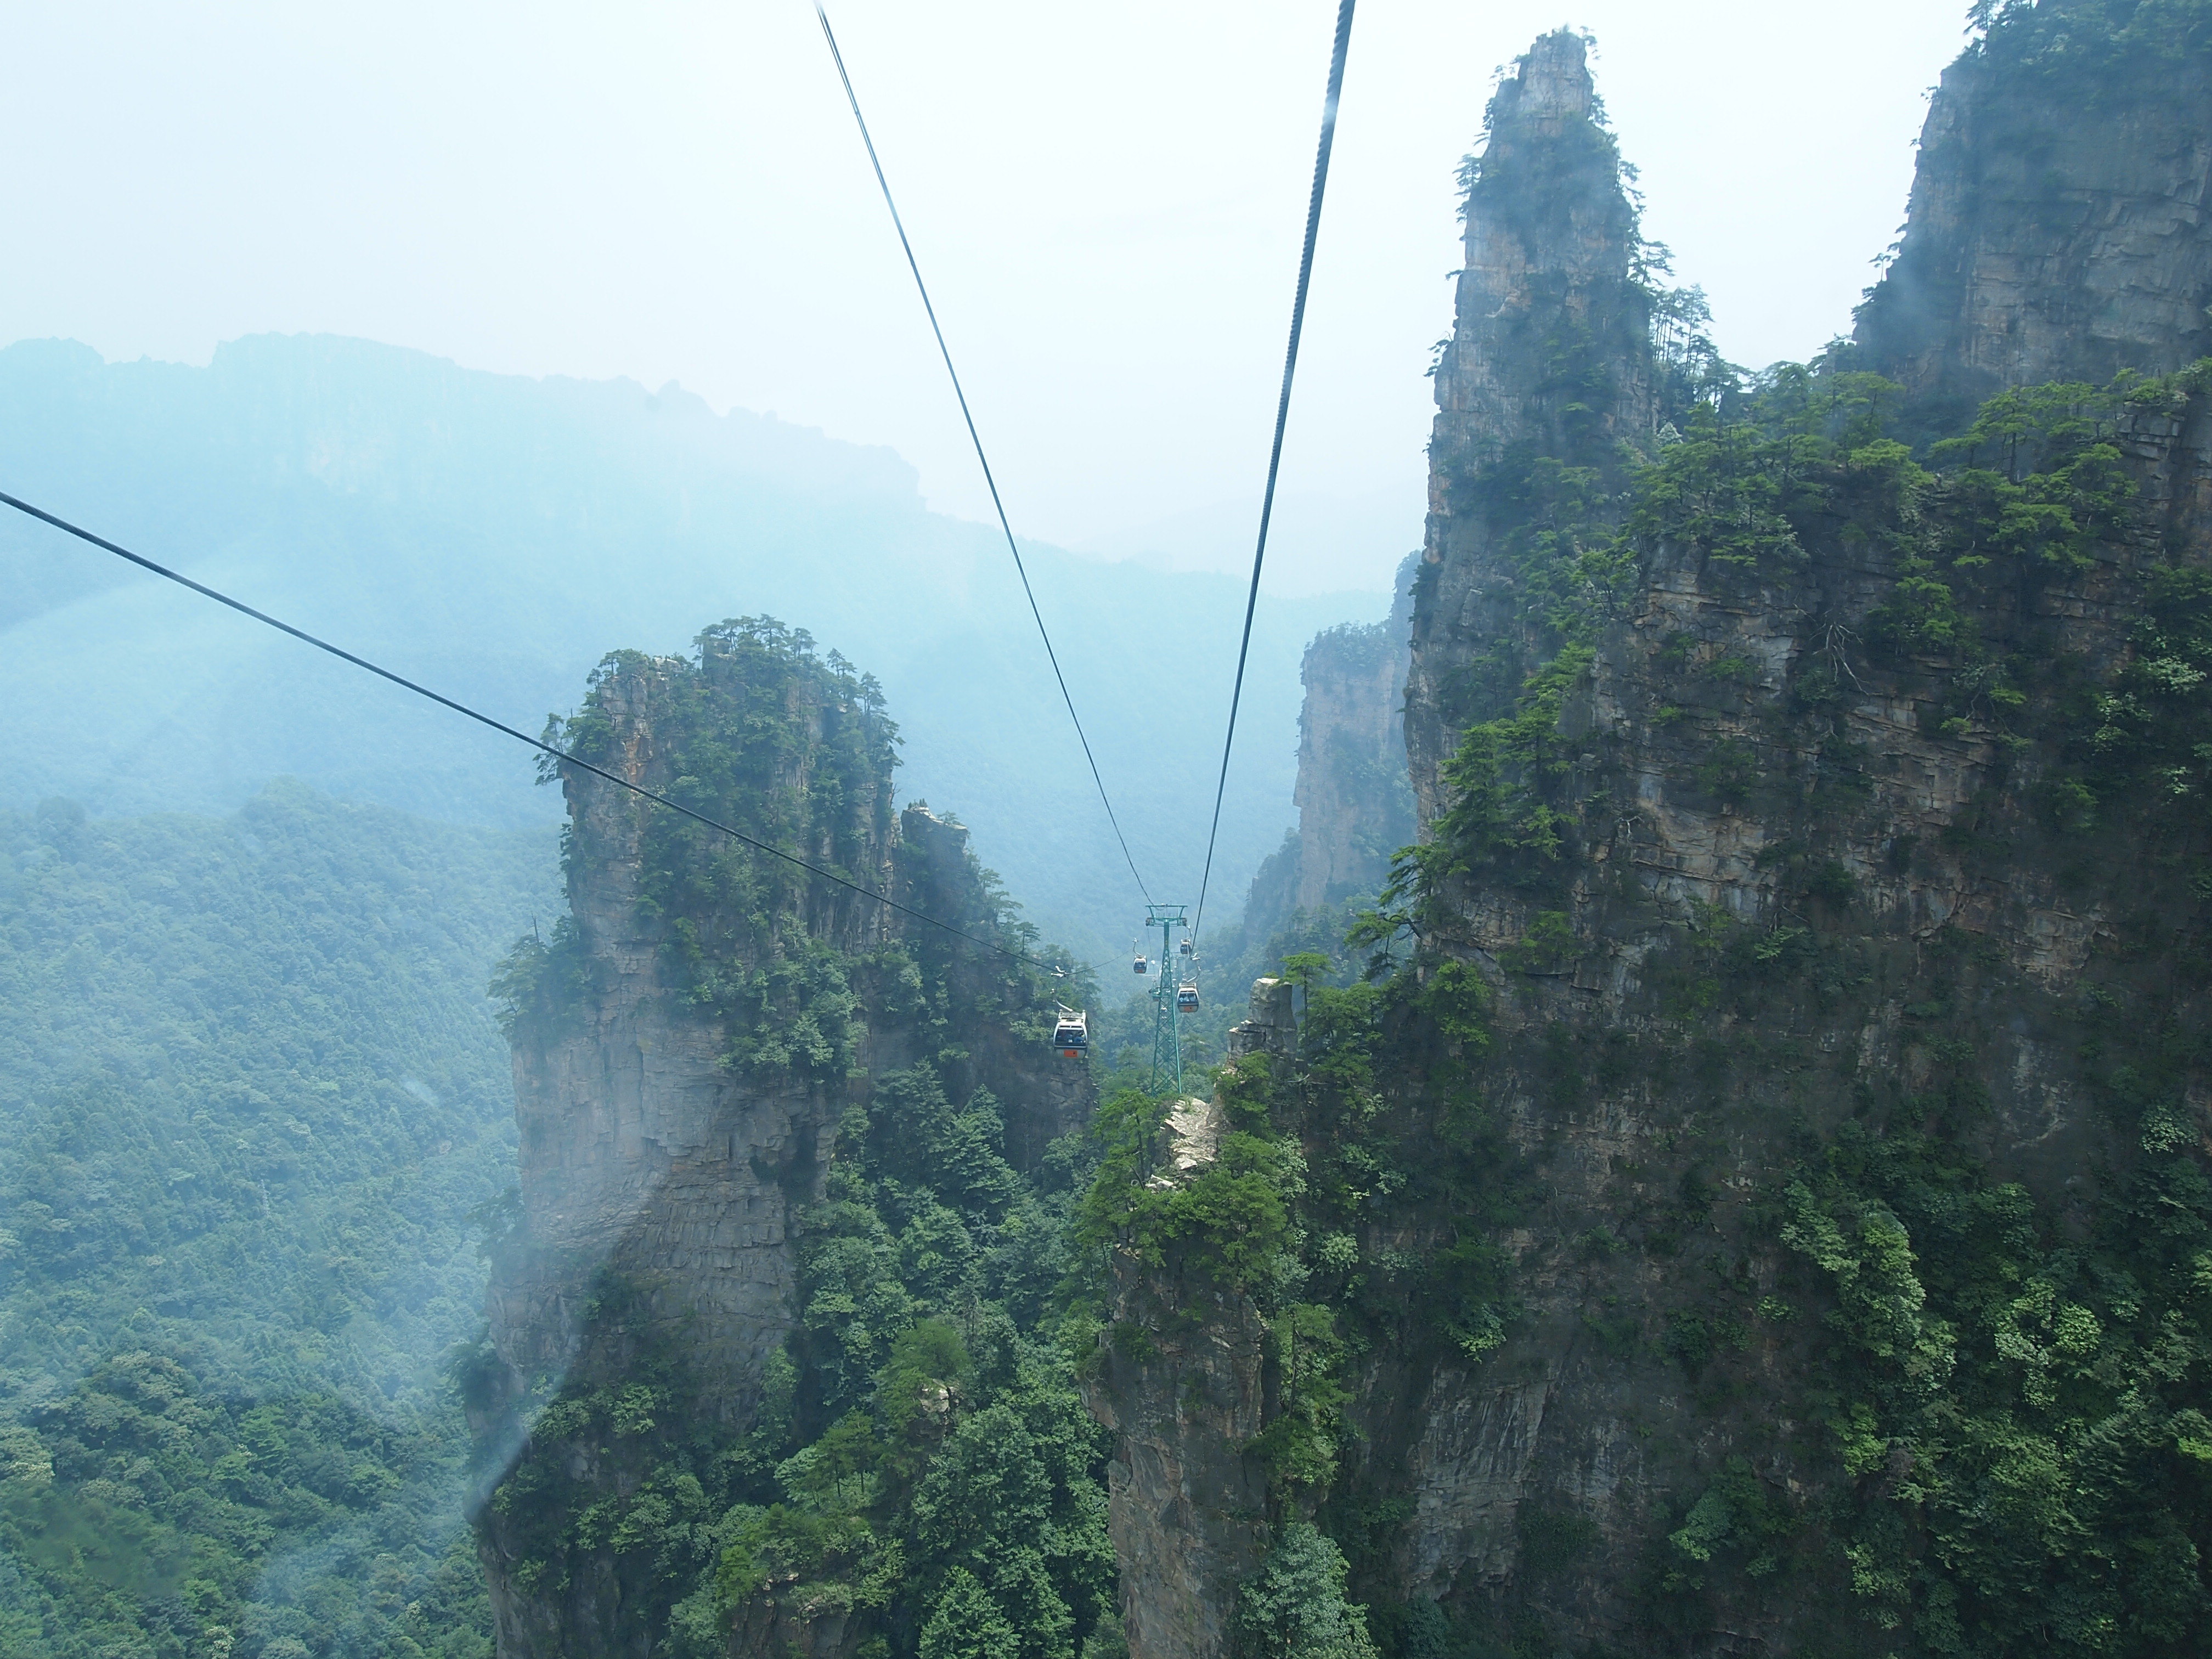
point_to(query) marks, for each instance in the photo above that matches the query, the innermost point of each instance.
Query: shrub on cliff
(1294, 1606)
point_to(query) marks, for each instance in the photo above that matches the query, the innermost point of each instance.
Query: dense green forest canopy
(922, 1462)
(2093, 38)
(250, 1088)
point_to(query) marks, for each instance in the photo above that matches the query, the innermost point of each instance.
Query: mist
(1108, 205)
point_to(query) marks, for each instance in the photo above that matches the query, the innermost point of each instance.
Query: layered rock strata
(1185, 1389)
(1354, 808)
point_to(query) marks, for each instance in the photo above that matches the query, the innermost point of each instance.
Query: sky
(1107, 201)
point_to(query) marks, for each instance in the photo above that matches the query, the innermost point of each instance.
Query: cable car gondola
(1071, 1036)
(1141, 965)
(1186, 998)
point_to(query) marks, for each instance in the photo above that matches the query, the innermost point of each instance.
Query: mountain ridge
(494, 535)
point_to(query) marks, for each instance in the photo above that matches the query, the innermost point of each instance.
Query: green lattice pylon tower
(1167, 1019)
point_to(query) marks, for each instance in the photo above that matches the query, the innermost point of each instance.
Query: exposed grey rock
(1552, 259)
(1272, 1027)
(2060, 230)
(1182, 1381)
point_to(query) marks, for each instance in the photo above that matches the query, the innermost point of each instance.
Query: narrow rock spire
(1550, 354)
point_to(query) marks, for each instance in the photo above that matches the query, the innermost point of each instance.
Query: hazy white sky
(1107, 201)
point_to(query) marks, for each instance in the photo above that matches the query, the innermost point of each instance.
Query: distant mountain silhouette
(494, 536)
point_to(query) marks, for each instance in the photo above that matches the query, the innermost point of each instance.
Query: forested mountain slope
(1760, 1198)
(1743, 1183)
(250, 1088)
(773, 1364)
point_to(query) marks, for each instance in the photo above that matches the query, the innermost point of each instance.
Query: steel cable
(975, 438)
(1282, 420)
(543, 747)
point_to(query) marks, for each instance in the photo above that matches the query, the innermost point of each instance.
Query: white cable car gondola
(1188, 948)
(1071, 1036)
(1139, 964)
(1187, 996)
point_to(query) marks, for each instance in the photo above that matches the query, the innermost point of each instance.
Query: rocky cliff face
(1190, 1499)
(2060, 228)
(640, 1152)
(687, 1051)
(1799, 895)
(1353, 811)
(1550, 355)
(1187, 1386)
(1354, 808)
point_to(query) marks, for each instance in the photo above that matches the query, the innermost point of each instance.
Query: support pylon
(1167, 1019)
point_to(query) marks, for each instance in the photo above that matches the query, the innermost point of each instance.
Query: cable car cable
(543, 747)
(974, 437)
(1282, 420)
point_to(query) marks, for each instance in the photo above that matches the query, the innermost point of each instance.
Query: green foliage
(1314, 1154)
(2151, 746)
(2019, 1407)
(1231, 1215)
(794, 750)
(1015, 1501)
(2061, 486)
(540, 977)
(966, 1472)
(1728, 771)
(921, 1460)
(1547, 947)
(1299, 1447)
(1801, 462)
(145, 1515)
(966, 1623)
(2009, 1396)
(1307, 948)
(1720, 491)
(1498, 823)
(2094, 43)
(1553, 1541)
(1737, 1519)
(920, 1463)
(251, 1092)
(1294, 1606)
(959, 1154)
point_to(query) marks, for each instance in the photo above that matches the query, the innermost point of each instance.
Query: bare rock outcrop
(1354, 810)
(2061, 221)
